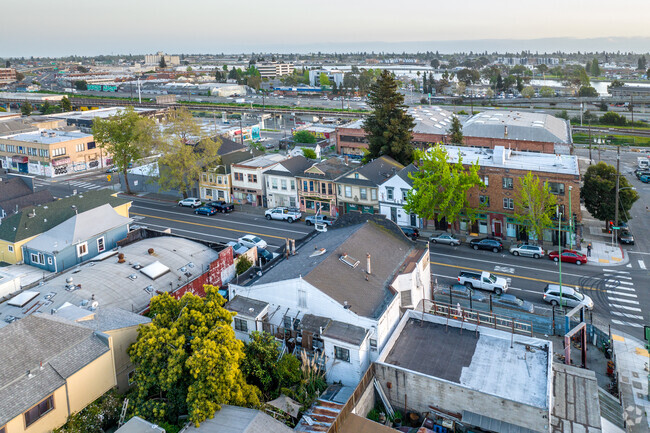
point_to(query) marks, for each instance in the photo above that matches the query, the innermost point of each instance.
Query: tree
(254, 81)
(81, 85)
(546, 92)
(642, 63)
(468, 76)
(440, 187)
(20, 76)
(162, 62)
(388, 126)
(45, 107)
(588, 66)
(65, 104)
(188, 360)
(499, 83)
(456, 132)
(243, 264)
(528, 92)
(26, 108)
(542, 68)
(304, 137)
(599, 193)
(612, 118)
(323, 79)
(186, 151)
(534, 205)
(309, 153)
(262, 368)
(7, 64)
(126, 136)
(616, 83)
(588, 91)
(435, 63)
(595, 69)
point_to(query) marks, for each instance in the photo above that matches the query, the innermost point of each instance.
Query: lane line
(537, 292)
(617, 276)
(629, 289)
(614, 270)
(626, 301)
(642, 264)
(629, 295)
(628, 316)
(625, 307)
(633, 325)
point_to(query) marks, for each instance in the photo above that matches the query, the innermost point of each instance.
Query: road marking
(638, 252)
(207, 225)
(625, 307)
(614, 283)
(633, 325)
(537, 292)
(615, 271)
(629, 316)
(504, 269)
(626, 301)
(629, 289)
(642, 264)
(629, 295)
(617, 276)
(202, 234)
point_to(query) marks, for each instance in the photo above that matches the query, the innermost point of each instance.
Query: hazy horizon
(64, 27)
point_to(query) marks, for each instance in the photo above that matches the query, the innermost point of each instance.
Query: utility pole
(590, 159)
(570, 220)
(632, 106)
(618, 163)
(559, 250)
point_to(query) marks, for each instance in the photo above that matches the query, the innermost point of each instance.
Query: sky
(64, 27)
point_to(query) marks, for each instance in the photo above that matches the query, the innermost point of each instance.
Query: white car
(190, 202)
(250, 241)
(237, 249)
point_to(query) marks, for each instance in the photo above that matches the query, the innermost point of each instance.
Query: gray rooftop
(428, 120)
(62, 348)
(404, 173)
(119, 285)
(262, 161)
(345, 332)
(518, 125)
(294, 166)
(138, 425)
(235, 419)
(576, 406)
(102, 319)
(48, 136)
(373, 173)
(100, 113)
(246, 306)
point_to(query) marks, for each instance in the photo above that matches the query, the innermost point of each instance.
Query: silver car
(527, 250)
(570, 296)
(445, 238)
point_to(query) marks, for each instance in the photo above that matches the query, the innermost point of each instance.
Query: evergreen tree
(65, 104)
(642, 63)
(595, 69)
(26, 108)
(456, 131)
(162, 63)
(425, 83)
(389, 127)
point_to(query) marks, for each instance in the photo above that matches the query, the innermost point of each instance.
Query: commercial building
(7, 75)
(317, 188)
(392, 198)
(51, 152)
(216, 182)
(154, 59)
(281, 189)
(10, 125)
(274, 69)
(84, 119)
(248, 184)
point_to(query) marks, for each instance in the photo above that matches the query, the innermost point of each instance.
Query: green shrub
(243, 264)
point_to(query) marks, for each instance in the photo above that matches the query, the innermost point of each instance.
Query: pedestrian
(589, 249)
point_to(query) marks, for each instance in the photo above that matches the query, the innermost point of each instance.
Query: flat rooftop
(262, 161)
(485, 362)
(428, 120)
(512, 159)
(48, 136)
(100, 113)
(518, 125)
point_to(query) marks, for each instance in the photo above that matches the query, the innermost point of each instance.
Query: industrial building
(154, 59)
(274, 69)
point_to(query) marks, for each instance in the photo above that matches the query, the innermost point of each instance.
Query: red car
(570, 256)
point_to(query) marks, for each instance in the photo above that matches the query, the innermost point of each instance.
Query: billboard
(255, 132)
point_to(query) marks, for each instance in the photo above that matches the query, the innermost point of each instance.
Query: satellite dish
(94, 305)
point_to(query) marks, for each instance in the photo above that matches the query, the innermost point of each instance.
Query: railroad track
(613, 131)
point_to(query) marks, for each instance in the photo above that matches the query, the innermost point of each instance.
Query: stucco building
(317, 187)
(281, 188)
(248, 184)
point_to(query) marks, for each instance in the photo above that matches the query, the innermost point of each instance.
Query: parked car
(264, 254)
(527, 250)
(645, 178)
(445, 238)
(569, 256)
(570, 297)
(411, 232)
(250, 241)
(460, 291)
(205, 210)
(511, 301)
(483, 280)
(237, 248)
(221, 206)
(486, 244)
(190, 202)
(112, 169)
(625, 237)
(283, 213)
(320, 219)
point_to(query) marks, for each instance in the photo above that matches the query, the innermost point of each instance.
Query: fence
(349, 406)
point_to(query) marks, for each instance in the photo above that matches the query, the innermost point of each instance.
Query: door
(393, 214)
(497, 229)
(414, 222)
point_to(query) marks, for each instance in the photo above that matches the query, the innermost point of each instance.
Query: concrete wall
(366, 402)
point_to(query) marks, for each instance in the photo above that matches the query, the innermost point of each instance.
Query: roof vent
(132, 277)
(346, 305)
(349, 260)
(149, 289)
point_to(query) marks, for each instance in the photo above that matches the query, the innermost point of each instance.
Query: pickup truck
(222, 206)
(483, 280)
(320, 219)
(283, 213)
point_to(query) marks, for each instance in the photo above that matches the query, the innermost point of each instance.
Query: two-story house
(356, 191)
(216, 182)
(392, 197)
(340, 296)
(317, 188)
(281, 188)
(248, 184)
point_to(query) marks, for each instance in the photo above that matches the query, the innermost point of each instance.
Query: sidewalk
(603, 253)
(631, 359)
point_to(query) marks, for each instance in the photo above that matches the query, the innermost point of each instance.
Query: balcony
(297, 341)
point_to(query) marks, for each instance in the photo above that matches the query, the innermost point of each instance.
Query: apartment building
(215, 182)
(317, 188)
(51, 153)
(248, 184)
(281, 189)
(7, 75)
(274, 69)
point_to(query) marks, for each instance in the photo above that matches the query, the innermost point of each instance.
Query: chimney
(368, 269)
(505, 131)
(345, 158)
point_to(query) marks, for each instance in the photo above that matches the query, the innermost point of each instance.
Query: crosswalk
(76, 184)
(622, 299)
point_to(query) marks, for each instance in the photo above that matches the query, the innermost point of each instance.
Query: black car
(486, 244)
(411, 232)
(221, 206)
(265, 255)
(625, 237)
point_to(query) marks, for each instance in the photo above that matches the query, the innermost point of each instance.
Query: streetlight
(570, 220)
(618, 190)
(559, 245)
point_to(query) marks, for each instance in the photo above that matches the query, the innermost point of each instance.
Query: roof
(404, 173)
(79, 228)
(428, 120)
(102, 319)
(235, 419)
(49, 136)
(138, 425)
(21, 226)
(62, 348)
(246, 306)
(294, 166)
(262, 161)
(100, 113)
(354, 423)
(228, 146)
(330, 169)
(375, 172)
(345, 332)
(575, 402)
(120, 285)
(12, 188)
(515, 160)
(32, 199)
(518, 125)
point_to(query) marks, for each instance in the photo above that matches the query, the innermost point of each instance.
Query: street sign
(616, 228)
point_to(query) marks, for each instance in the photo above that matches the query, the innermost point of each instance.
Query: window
(293, 185)
(91, 145)
(311, 185)
(44, 153)
(239, 176)
(329, 189)
(204, 177)
(342, 354)
(10, 248)
(32, 151)
(348, 191)
(373, 194)
(508, 203)
(507, 182)
(363, 194)
(100, 245)
(241, 325)
(389, 193)
(49, 262)
(35, 413)
(484, 200)
(34, 257)
(58, 152)
(486, 181)
(304, 185)
(302, 298)
(274, 183)
(11, 148)
(219, 180)
(82, 249)
(373, 344)
(80, 147)
(283, 184)
(252, 178)
(555, 188)
(323, 188)
(404, 194)
(2, 147)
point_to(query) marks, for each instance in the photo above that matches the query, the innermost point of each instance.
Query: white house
(339, 295)
(247, 179)
(392, 197)
(281, 188)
